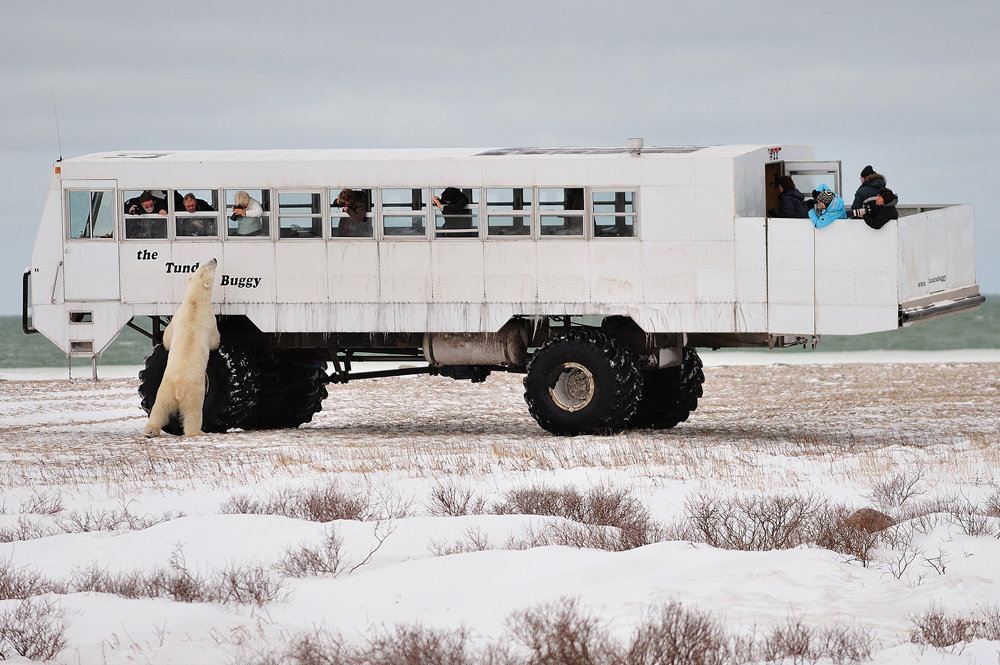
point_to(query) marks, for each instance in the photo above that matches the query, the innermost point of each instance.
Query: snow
(830, 427)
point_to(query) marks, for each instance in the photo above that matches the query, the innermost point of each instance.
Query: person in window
(246, 214)
(871, 183)
(195, 226)
(353, 203)
(791, 202)
(880, 210)
(454, 204)
(829, 207)
(146, 204)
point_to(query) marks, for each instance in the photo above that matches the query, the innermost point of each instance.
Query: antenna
(56, 114)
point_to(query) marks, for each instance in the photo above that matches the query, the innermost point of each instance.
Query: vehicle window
(404, 212)
(90, 214)
(614, 214)
(252, 218)
(456, 212)
(560, 211)
(300, 215)
(508, 211)
(351, 213)
(146, 213)
(196, 213)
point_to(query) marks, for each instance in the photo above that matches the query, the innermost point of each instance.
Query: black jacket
(869, 188)
(791, 204)
(877, 216)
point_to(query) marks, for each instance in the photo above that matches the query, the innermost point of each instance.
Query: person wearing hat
(871, 182)
(881, 210)
(791, 203)
(829, 207)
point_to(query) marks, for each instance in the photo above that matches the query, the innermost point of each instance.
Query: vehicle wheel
(293, 390)
(231, 387)
(670, 394)
(582, 382)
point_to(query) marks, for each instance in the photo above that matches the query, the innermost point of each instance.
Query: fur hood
(874, 176)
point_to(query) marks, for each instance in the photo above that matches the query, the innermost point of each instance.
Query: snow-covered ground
(72, 458)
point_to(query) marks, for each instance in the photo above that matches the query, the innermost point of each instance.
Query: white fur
(191, 335)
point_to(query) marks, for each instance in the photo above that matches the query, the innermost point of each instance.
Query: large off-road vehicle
(596, 272)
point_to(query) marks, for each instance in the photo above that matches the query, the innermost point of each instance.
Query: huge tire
(670, 394)
(582, 382)
(293, 390)
(231, 387)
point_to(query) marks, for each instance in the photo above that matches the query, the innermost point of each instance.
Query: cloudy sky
(911, 87)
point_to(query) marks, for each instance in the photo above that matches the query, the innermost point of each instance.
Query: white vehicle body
(676, 240)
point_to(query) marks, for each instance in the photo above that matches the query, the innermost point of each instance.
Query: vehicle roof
(397, 154)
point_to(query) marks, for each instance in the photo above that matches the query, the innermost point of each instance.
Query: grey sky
(909, 87)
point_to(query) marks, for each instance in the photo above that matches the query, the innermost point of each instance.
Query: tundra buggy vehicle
(596, 272)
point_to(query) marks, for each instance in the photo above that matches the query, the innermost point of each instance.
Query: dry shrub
(894, 491)
(42, 503)
(322, 504)
(24, 582)
(242, 584)
(26, 529)
(452, 499)
(992, 504)
(792, 640)
(306, 561)
(34, 628)
(937, 628)
(418, 645)
(837, 528)
(753, 523)
(111, 520)
(673, 635)
(559, 633)
(843, 643)
(611, 519)
(473, 540)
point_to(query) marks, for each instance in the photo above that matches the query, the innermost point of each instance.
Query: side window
(248, 213)
(560, 211)
(404, 212)
(196, 213)
(145, 214)
(351, 213)
(614, 214)
(300, 215)
(90, 214)
(456, 212)
(508, 212)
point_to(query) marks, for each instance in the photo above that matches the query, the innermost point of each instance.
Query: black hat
(867, 171)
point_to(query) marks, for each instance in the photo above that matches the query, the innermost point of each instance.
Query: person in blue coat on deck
(829, 207)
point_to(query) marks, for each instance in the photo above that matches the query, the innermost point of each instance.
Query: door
(90, 256)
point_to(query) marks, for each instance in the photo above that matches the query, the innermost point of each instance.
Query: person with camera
(353, 203)
(871, 183)
(829, 207)
(146, 204)
(880, 210)
(246, 214)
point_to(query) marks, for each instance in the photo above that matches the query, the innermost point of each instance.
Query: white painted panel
(301, 272)
(405, 274)
(751, 261)
(145, 278)
(854, 319)
(716, 285)
(790, 276)
(353, 271)
(670, 269)
(668, 214)
(686, 317)
(510, 271)
(751, 317)
(563, 271)
(458, 271)
(91, 270)
(244, 261)
(616, 271)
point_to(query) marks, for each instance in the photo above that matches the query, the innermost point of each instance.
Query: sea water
(971, 330)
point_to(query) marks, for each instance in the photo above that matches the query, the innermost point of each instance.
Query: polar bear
(190, 336)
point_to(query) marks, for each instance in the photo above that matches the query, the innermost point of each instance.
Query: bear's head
(200, 286)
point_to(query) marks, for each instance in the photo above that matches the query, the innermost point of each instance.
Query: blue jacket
(833, 211)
